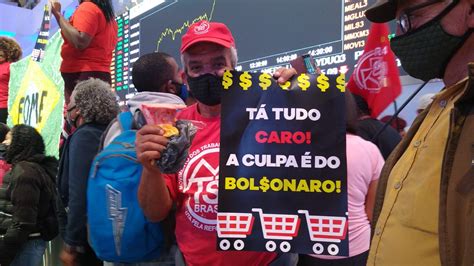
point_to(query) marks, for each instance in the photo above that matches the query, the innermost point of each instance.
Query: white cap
(425, 100)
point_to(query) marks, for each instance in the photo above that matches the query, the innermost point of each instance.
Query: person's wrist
(58, 18)
(151, 168)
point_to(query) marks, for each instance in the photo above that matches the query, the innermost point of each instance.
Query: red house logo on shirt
(200, 184)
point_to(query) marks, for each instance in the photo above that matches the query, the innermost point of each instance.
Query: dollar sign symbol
(227, 79)
(264, 184)
(285, 85)
(245, 80)
(323, 83)
(341, 82)
(265, 81)
(303, 81)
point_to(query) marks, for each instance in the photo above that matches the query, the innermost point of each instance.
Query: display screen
(268, 33)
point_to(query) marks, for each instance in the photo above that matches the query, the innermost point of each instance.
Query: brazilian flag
(36, 95)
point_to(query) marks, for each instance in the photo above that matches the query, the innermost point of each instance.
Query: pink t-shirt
(364, 163)
(195, 189)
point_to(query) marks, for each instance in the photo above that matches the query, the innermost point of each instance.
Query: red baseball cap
(397, 123)
(205, 31)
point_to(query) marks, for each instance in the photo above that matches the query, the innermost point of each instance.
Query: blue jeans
(31, 253)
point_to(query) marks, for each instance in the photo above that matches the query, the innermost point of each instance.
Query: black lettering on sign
(31, 107)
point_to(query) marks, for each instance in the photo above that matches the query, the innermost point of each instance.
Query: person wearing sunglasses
(424, 214)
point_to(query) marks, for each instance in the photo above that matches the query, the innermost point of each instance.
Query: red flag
(376, 76)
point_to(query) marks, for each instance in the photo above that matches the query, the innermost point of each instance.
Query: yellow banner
(35, 99)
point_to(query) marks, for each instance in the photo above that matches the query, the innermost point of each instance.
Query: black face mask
(426, 51)
(206, 89)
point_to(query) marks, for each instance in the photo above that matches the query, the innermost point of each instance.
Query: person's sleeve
(83, 148)
(172, 184)
(25, 199)
(86, 18)
(62, 217)
(60, 209)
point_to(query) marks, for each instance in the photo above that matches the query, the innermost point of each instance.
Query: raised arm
(80, 40)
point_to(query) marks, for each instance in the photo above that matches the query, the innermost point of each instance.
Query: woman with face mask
(92, 107)
(27, 198)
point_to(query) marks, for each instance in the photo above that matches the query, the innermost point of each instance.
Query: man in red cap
(424, 212)
(208, 49)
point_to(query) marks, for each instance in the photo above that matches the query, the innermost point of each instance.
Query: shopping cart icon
(328, 229)
(233, 225)
(278, 227)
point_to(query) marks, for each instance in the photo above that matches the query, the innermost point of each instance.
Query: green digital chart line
(169, 32)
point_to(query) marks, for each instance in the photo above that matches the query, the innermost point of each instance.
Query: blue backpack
(118, 228)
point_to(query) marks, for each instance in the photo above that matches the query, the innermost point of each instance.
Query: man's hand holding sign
(282, 184)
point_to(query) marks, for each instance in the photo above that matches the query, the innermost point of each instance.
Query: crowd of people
(410, 194)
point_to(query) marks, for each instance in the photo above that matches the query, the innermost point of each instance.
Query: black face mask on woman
(206, 89)
(426, 51)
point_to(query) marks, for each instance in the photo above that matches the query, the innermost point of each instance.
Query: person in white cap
(424, 101)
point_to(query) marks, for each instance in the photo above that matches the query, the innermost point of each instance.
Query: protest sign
(36, 94)
(282, 179)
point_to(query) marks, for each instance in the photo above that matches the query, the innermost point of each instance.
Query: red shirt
(4, 79)
(88, 18)
(195, 189)
(4, 168)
